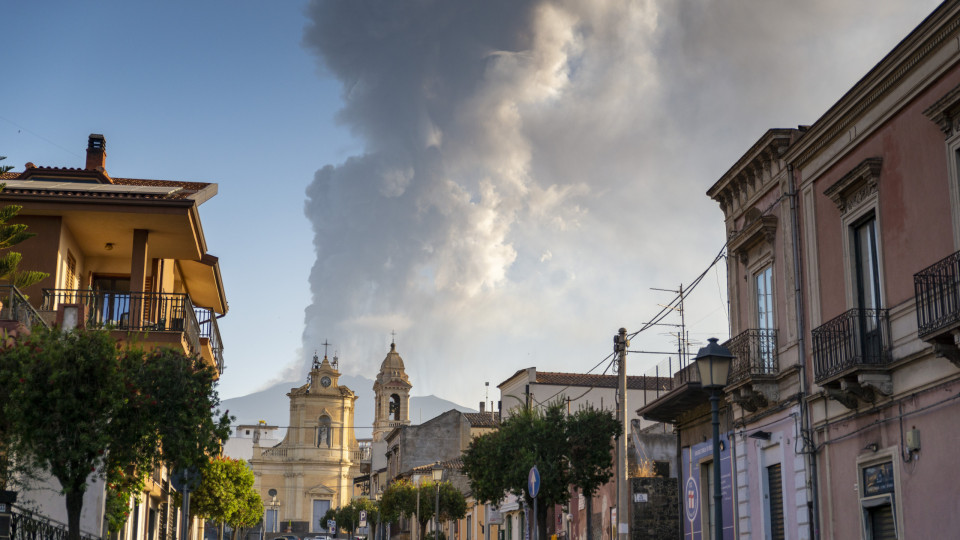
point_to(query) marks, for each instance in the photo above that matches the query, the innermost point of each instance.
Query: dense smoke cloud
(530, 169)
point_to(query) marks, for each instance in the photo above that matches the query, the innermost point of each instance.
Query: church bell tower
(392, 391)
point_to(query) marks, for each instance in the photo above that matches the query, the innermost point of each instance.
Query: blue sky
(500, 182)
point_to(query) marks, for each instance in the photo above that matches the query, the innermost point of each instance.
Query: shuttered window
(775, 501)
(882, 525)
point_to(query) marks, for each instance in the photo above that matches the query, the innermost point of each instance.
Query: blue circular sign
(692, 499)
(533, 481)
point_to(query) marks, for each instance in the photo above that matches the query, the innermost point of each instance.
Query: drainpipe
(805, 431)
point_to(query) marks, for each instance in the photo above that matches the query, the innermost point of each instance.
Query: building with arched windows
(311, 470)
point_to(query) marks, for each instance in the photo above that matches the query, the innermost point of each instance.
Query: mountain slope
(272, 405)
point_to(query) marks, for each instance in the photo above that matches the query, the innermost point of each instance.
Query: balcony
(676, 394)
(14, 308)
(753, 373)
(852, 352)
(937, 292)
(210, 336)
(132, 311)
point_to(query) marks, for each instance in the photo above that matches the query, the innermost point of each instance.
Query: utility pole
(623, 488)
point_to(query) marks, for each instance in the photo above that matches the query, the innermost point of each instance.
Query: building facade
(879, 197)
(312, 469)
(125, 253)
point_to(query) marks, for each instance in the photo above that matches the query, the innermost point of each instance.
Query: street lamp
(713, 363)
(416, 482)
(437, 476)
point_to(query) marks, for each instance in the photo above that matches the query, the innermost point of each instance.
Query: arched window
(323, 431)
(395, 406)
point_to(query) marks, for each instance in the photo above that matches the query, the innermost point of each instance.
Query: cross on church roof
(325, 345)
(394, 339)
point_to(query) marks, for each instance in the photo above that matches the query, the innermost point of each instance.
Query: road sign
(363, 518)
(332, 525)
(533, 481)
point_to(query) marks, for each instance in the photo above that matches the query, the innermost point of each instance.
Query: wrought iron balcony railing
(132, 311)
(859, 338)
(755, 355)
(209, 329)
(16, 308)
(27, 526)
(937, 290)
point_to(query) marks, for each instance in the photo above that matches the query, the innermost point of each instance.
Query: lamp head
(437, 472)
(713, 363)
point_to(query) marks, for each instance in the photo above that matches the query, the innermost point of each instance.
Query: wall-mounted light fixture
(873, 447)
(108, 246)
(760, 435)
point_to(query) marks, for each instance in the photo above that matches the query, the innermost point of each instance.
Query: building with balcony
(126, 254)
(312, 469)
(879, 198)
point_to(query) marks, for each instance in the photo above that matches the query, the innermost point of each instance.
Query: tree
(80, 404)
(226, 494)
(399, 501)
(348, 517)
(11, 235)
(567, 450)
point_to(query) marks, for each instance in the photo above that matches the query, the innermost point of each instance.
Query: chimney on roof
(96, 152)
(482, 405)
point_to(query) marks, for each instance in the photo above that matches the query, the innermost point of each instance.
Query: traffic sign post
(363, 518)
(533, 487)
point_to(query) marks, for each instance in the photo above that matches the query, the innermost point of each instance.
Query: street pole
(436, 516)
(623, 500)
(717, 496)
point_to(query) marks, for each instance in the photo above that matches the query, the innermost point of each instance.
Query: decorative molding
(859, 106)
(945, 113)
(762, 229)
(856, 186)
(880, 382)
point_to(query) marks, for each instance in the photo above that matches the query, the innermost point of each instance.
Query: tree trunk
(542, 521)
(589, 516)
(220, 531)
(74, 507)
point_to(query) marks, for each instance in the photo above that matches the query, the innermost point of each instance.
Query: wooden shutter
(882, 525)
(775, 498)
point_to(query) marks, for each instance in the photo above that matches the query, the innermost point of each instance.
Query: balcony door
(112, 300)
(765, 341)
(867, 274)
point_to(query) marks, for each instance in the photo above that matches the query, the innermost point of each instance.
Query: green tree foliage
(348, 517)
(80, 404)
(567, 450)
(226, 494)
(400, 500)
(11, 235)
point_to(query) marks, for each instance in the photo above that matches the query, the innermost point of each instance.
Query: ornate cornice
(856, 185)
(762, 229)
(946, 112)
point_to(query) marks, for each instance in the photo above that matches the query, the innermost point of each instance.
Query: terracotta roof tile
(482, 419)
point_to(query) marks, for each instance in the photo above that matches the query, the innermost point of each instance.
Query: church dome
(392, 367)
(392, 360)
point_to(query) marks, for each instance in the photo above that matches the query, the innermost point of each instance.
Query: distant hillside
(273, 406)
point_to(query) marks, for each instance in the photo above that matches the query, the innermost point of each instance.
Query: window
(395, 406)
(878, 486)
(766, 340)
(469, 523)
(71, 281)
(867, 282)
(774, 497)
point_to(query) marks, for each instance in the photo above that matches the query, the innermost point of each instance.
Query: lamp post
(437, 476)
(713, 363)
(416, 482)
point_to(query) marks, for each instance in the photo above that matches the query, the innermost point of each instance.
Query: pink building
(879, 207)
(844, 287)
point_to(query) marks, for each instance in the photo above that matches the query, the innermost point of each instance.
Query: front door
(319, 510)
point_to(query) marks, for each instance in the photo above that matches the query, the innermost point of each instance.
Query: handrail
(856, 338)
(17, 308)
(26, 526)
(209, 329)
(755, 354)
(937, 290)
(132, 311)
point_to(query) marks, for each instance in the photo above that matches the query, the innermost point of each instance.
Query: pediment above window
(761, 229)
(320, 489)
(946, 112)
(855, 186)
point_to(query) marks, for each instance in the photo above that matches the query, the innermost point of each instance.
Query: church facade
(311, 470)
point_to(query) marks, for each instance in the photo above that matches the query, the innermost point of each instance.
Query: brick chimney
(96, 152)
(482, 405)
